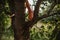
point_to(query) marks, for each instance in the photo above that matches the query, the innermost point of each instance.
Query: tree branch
(31, 23)
(36, 11)
(52, 7)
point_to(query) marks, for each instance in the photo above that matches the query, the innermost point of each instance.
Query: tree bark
(21, 31)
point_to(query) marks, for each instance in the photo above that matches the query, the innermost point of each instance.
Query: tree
(20, 26)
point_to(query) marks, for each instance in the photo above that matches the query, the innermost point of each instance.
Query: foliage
(5, 22)
(45, 31)
(38, 32)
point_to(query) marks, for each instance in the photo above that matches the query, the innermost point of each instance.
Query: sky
(31, 3)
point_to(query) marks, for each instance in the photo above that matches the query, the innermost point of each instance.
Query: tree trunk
(21, 31)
